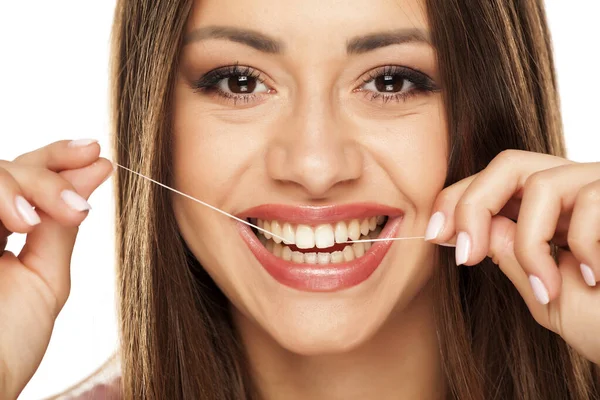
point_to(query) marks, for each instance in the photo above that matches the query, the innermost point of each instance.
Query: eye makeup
(245, 84)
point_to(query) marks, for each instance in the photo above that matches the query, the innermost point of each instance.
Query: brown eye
(390, 83)
(241, 84)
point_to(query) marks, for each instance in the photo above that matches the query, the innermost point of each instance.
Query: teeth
(305, 237)
(324, 258)
(348, 253)
(354, 230)
(310, 258)
(337, 257)
(267, 227)
(288, 234)
(286, 254)
(323, 236)
(297, 257)
(359, 249)
(341, 232)
(278, 249)
(364, 227)
(276, 229)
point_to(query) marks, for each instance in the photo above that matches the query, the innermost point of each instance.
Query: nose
(313, 150)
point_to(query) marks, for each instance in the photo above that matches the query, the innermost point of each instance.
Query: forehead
(316, 21)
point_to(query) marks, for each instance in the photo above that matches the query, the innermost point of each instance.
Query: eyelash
(421, 82)
(209, 82)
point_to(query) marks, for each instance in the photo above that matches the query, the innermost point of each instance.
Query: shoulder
(104, 384)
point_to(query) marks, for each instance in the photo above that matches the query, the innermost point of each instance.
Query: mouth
(311, 249)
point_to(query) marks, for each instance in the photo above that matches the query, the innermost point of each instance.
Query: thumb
(48, 248)
(501, 251)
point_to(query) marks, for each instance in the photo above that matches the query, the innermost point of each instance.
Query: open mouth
(321, 244)
(313, 248)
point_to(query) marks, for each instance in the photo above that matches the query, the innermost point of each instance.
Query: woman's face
(324, 119)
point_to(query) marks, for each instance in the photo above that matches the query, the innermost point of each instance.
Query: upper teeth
(320, 236)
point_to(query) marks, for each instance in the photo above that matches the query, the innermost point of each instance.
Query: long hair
(177, 337)
(495, 62)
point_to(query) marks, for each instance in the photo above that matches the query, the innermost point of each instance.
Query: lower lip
(322, 278)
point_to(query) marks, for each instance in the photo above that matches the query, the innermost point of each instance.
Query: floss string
(246, 222)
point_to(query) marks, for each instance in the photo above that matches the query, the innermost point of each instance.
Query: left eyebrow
(366, 43)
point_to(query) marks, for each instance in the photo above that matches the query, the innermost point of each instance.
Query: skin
(313, 140)
(358, 343)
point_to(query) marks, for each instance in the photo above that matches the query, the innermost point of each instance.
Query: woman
(325, 123)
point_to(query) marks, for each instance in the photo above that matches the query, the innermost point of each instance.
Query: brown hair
(177, 338)
(495, 61)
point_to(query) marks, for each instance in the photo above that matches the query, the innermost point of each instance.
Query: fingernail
(81, 142)
(26, 211)
(75, 201)
(435, 226)
(588, 275)
(463, 248)
(539, 290)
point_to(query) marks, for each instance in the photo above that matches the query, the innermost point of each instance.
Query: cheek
(412, 151)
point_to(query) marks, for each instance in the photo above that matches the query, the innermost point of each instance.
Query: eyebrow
(266, 44)
(251, 38)
(364, 44)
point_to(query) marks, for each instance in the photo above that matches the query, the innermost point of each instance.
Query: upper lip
(319, 214)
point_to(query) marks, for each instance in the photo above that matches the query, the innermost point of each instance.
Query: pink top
(103, 385)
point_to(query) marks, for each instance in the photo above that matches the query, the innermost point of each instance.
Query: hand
(556, 202)
(34, 285)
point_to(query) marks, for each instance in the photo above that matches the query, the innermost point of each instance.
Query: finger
(62, 155)
(489, 193)
(445, 202)
(501, 251)
(16, 213)
(51, 193)
(584, 232)
(49, 247)
(546, 194)
(581, 326)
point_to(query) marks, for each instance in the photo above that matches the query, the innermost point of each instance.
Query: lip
(321, 278)
(310, 215)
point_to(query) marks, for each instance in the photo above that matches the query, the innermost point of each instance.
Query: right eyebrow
(254, 39)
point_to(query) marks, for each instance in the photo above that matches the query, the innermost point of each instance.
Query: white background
(54, 85)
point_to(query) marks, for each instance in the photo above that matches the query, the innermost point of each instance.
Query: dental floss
(201, 202)
(248, 223)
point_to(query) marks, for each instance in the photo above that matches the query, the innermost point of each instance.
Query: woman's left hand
(556, 201)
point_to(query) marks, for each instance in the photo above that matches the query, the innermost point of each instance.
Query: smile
(314, 254)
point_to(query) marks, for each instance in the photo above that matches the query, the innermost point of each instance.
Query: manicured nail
(26, 211)
(539, 290)
(75, 201)
(588, 275)
(463, 248)
(81, 142)
(435, 226)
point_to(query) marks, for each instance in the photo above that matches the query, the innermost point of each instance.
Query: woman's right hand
(34, 286)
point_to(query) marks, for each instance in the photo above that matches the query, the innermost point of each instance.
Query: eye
(233, 84)
(395, 82)
(389, 84)
(241, 84)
